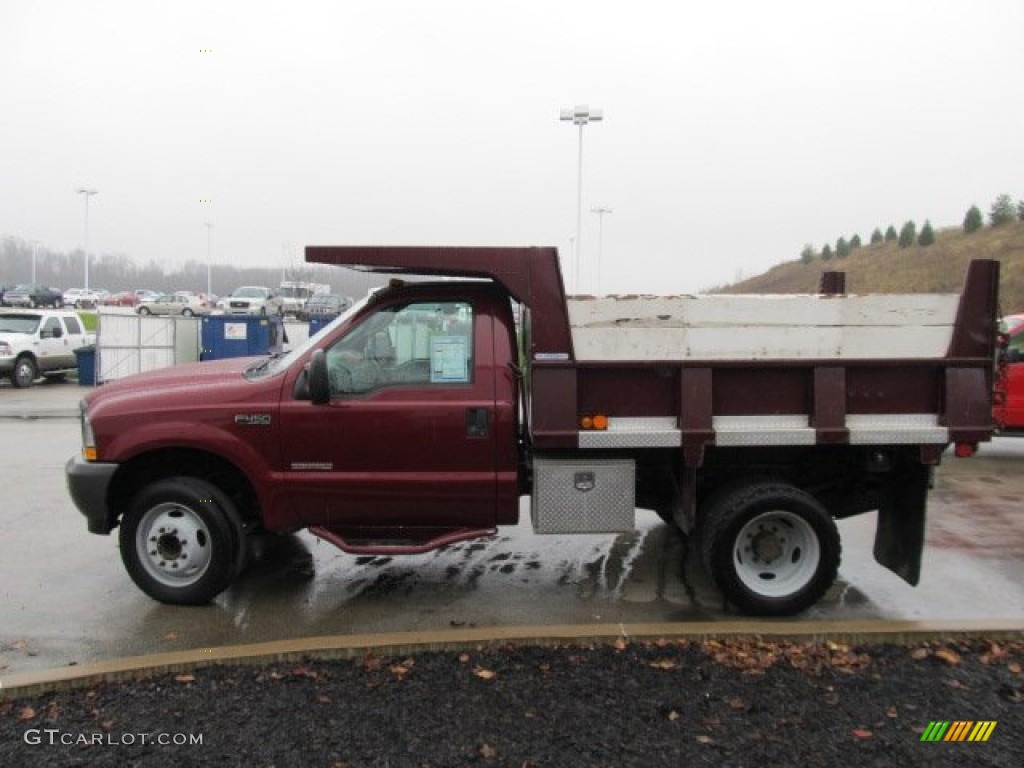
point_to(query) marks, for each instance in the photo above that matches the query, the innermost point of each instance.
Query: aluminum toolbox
(583, 495)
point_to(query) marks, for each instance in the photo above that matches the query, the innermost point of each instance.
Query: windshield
(250, 293)
(19, 323)
(278, 363)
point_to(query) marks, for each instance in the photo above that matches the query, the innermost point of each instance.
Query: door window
(52, 324)
(73, 327)
(423, 343)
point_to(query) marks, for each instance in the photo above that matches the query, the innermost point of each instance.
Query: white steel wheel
(770, 547)
(181, 541)
(173, 545)
(776, 553)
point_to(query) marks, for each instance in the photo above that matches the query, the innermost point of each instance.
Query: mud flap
(899, 536)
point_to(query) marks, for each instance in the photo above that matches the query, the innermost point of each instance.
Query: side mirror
(319, 381)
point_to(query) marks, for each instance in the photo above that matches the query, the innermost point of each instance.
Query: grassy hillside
(886, 268)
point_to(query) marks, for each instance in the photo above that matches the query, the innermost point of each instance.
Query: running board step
(357, 542)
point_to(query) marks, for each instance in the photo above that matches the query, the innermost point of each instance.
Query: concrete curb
(401, 643)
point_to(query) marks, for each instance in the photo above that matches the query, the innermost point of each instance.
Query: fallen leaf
(484, 674)
(620, 644)
(673, 716)
(892, 712)
(487, 752)
(170, 636)
(185, 678)
(323, 699)
(949, 656)
(303, 672)
(956, 684)
(861, 733)
(702, 739)
(920, 654)
(463, 658)
(737, 704)
(666, 664)
(26, 713)
(372, 663)
(1014, 667)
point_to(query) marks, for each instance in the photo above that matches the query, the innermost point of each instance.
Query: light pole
(209, 259)
(600, 211)
(580, 115)
(35, 247)
(87, 193)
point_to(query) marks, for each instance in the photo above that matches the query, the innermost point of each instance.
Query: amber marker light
(600, 421)
(586, 422)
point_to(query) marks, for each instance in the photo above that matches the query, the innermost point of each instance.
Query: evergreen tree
(890, 234)
(927, 236)
(842, 248)
(807, 254)
(826, 252)
(1020, 210)
(855, 241)
(1002, 211)
(908, 234)
(876, 236)
(972, 220)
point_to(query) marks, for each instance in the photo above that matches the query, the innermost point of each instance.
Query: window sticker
(449, 360)
(235, 330)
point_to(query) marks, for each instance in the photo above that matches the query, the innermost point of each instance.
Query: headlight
(88, 438)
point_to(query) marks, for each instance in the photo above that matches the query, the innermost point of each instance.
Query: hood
(186, 383)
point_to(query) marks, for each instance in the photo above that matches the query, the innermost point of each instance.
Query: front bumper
(88, 483)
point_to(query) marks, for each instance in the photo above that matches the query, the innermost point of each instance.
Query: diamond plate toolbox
(583, 495)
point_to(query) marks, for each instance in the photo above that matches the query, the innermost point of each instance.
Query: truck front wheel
(772, 549)
(181, 541)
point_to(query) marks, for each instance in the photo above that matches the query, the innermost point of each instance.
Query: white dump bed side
(775, 327)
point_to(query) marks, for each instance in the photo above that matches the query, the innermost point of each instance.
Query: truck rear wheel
(772, 549)
(181, 541)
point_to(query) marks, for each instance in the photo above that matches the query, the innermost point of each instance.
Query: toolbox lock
(584, 481)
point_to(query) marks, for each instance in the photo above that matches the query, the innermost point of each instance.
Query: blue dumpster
(225, 336)
(318, 322)
(85, 359)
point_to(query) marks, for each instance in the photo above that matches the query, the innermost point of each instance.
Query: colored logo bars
(958, 730)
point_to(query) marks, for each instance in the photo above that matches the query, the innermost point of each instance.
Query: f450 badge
(253, 419)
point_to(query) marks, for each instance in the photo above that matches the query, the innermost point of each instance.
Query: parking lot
(67, 599)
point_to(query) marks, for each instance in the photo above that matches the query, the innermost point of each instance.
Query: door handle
(478, 422)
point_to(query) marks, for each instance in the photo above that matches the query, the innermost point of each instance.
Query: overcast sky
(733, 132)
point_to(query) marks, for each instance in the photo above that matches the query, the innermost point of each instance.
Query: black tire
(771, 548)
(165, 523)
(25, 372)
(144, 311)
(186, 312)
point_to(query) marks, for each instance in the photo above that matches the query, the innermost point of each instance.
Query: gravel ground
(728, 703)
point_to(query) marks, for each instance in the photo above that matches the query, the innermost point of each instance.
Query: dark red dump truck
(422, 415)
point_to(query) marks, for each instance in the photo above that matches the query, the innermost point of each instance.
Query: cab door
(408, 436)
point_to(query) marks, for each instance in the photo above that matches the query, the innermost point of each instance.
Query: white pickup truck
(40, 342)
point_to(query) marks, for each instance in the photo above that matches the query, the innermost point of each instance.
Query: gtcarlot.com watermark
(55, 737)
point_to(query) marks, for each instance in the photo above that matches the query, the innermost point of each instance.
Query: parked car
(36, 343)
(174, 304)
(324, 305)
(33, 295)
(252, 300)
(4, 287)
(121, 299)
(81, 297)
(1009, 413)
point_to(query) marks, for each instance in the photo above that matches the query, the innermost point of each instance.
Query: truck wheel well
(147, 468)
